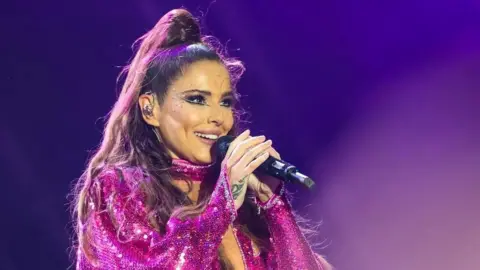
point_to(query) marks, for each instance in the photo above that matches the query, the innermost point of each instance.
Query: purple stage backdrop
(377, 100)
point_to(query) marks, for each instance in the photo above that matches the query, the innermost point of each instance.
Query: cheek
(229, 121)
(185, 116)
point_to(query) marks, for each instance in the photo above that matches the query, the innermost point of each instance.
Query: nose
(216, 116)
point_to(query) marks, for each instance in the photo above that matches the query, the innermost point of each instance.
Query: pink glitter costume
(122, 237)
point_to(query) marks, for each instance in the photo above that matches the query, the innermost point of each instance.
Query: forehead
(203, 75)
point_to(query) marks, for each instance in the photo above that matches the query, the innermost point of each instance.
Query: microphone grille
(221, 146)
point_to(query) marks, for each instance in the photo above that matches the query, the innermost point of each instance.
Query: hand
(264, 185)
(243, 156)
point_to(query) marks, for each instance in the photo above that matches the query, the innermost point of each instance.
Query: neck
(182, 170)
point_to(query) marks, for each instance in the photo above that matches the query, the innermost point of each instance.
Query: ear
(149, 108)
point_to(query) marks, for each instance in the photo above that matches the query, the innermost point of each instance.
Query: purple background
(377, 100)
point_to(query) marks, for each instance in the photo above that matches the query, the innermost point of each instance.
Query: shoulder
(120, 179)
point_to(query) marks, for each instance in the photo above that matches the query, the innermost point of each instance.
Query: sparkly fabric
(193, 171)
(290, 249)
(122, 238)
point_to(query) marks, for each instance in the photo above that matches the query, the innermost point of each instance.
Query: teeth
(207, 136)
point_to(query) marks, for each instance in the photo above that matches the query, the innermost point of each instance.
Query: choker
(194, 172)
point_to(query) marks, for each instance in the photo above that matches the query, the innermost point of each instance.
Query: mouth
(207, 138)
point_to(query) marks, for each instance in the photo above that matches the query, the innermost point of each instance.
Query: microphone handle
(284, 171)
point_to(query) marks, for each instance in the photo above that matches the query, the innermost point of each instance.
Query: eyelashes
(195, 99)
(228, 102)
(201, 100)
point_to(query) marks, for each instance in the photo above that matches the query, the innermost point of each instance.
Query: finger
(254, 153)
(244, 135)
(243, 147)
(274, 153)
(252, 166)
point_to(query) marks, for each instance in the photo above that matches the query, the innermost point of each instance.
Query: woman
(151, 198)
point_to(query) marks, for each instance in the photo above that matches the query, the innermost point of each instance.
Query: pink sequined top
(122, 238)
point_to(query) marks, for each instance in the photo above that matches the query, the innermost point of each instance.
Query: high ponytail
(183, 29)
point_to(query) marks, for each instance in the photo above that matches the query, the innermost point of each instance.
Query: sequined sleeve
(123, 238)
(289, 248)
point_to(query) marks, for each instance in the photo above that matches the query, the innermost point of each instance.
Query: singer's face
(197, 109)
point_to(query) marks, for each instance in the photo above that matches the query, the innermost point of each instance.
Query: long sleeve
(122, 237)
(289, 248)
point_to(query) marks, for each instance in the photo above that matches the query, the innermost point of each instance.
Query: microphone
(277, 168)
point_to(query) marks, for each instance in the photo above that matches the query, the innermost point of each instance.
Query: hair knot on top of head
(183, 28)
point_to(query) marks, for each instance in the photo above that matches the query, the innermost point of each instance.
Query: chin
(202, 157)
(204, 160)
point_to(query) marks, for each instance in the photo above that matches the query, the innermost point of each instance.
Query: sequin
(122, 237)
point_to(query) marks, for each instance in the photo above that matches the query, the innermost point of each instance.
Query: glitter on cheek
(178, 105)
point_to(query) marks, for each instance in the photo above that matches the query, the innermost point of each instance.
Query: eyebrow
(207, 93)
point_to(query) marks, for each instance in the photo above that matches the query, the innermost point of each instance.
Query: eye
(228, 102)
(196, 99)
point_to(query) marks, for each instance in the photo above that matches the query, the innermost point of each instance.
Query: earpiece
(148, 110)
